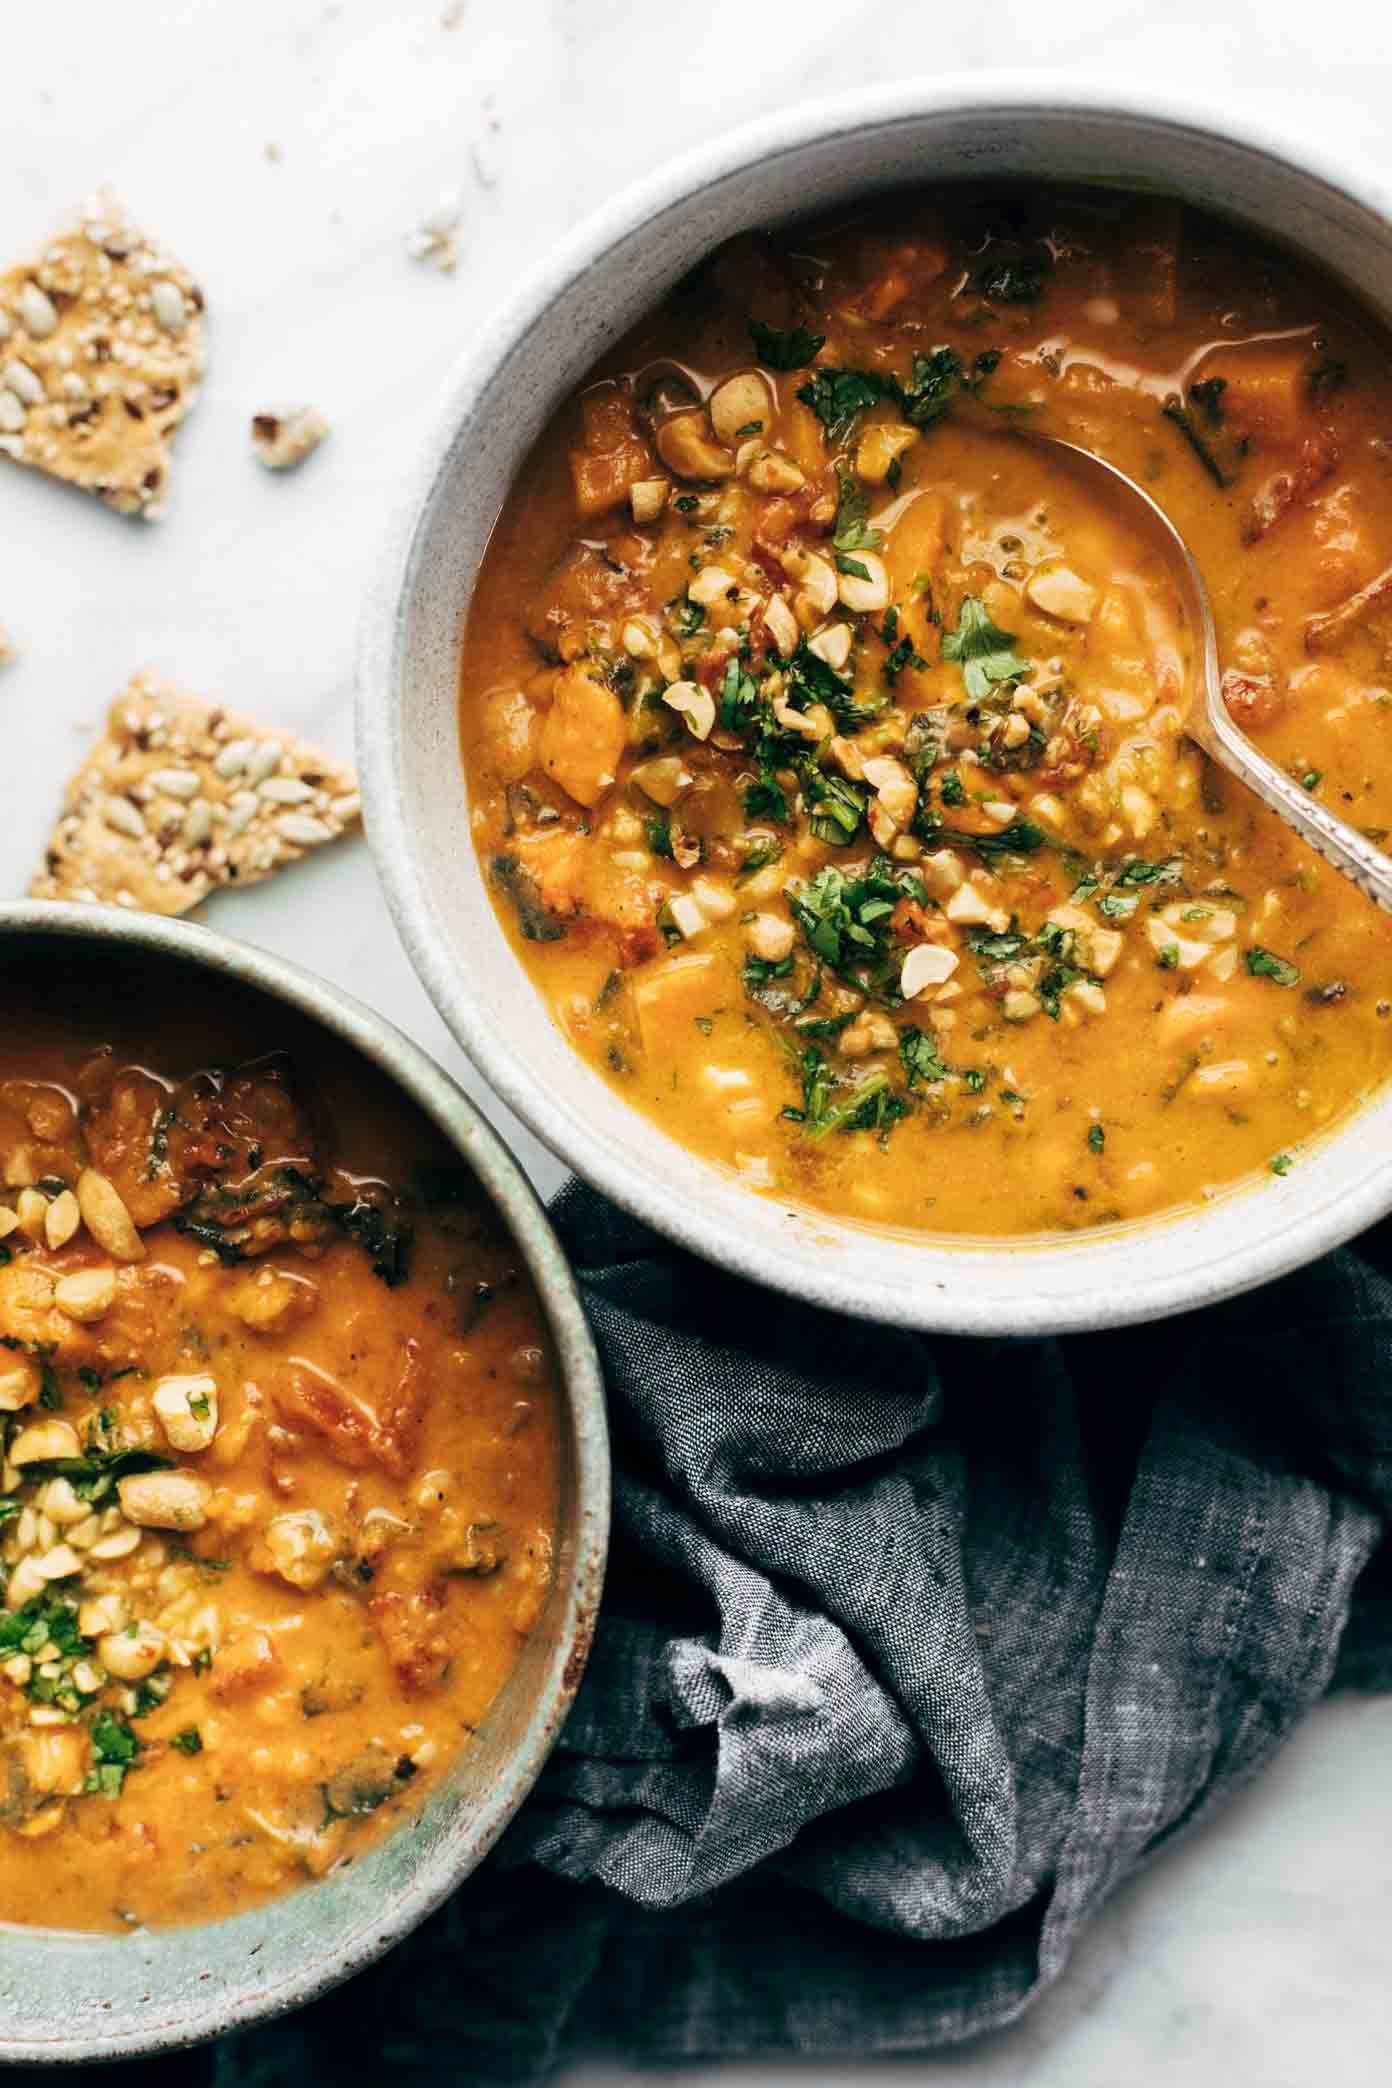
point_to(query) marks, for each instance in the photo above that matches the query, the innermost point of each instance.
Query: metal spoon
(1207, 722)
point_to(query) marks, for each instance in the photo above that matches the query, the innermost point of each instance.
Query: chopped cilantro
(853, 532)
(837, 396)
(981, 650)
(1097, 1138)
(856, 567)
(50, 1395)
(1280, 1164)
(1167, 957)
(1140, 872)
(951, 789)
(845, 923)
(920, 1057)
(1021, 837)
(928, 394)
(659, 835)
(813, 680)
(115, 1750)
(835, 807)
(188, 1741)
(759, 972)
(779, 348)
(1265, 964)
(758, 858)
(1312, 779)
(903, 655)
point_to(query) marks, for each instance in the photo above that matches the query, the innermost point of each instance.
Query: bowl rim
(450, 1858)
(1289, 1242)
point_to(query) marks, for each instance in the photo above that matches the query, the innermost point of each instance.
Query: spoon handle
(1359, 859)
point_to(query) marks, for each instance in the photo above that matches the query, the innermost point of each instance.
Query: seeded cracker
(180, 797)
(101, 353)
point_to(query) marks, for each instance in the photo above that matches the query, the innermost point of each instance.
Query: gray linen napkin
(911, 1650)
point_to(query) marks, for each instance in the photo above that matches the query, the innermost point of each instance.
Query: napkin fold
(912, 1648)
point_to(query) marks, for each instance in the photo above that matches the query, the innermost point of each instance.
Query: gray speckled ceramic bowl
(66, 1997)
(1021, 127)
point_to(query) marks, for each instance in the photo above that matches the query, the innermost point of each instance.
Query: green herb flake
(115, 1750)
(779, 348)
(1096, 1138)
(188, 1741)
(920, 1057)
(1281, 1164)
(932, 381)
(853, 530)
(1265, 964)
(838, 396)
(1167, 957)
(981, 650)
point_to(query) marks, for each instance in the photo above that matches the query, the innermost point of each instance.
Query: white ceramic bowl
(608, 274)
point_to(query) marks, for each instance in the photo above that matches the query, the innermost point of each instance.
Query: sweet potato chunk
(587, 583)
(583, 735)
(1266, 390)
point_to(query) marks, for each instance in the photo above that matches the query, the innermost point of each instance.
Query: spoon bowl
(1207, 721)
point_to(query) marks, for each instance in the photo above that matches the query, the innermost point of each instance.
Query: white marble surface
(1257, 1951)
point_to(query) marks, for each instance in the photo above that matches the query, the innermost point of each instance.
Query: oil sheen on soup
(279, 1472)
(825, 740)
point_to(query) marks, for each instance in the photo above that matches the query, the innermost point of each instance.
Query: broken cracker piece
(285, 438)
(435, 239)
(101, 353)
(181, 796)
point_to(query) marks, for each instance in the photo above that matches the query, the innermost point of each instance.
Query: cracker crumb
(9, 651)
(180, 796)
(285, 437)
(435, 239)
(101, 356)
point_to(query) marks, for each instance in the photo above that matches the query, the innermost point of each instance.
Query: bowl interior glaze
(66, 1997)
(585, 296)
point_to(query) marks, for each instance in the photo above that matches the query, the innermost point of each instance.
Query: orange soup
(825, 739)
(280, 1451)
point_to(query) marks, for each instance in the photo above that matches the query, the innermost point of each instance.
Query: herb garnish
(115, 1750)
(780, 348)
(1265, 964)
(982, 650)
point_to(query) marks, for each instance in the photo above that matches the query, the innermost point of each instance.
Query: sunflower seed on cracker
(102, 357)
(284, 439)
(160, 812)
